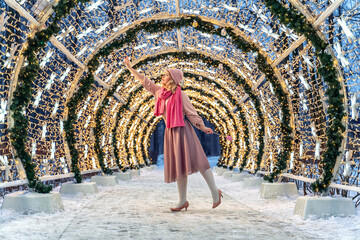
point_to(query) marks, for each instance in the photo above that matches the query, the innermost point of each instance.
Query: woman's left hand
(208, 130)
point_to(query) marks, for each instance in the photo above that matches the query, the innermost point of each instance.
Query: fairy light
(65, 73)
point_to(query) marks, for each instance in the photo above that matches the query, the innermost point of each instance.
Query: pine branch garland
(298, 22)
(22, 94)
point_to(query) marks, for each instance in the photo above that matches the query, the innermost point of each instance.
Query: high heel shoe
(218, 203)
(185, 205)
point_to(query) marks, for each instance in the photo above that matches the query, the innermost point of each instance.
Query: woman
(183, 153)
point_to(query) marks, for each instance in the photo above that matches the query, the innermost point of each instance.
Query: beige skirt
(183, 153)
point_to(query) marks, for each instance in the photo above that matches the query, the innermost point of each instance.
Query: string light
(54, 65)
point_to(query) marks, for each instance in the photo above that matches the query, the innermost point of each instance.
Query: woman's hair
(170, 85)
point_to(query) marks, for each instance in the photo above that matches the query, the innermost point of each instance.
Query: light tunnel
(286, 94)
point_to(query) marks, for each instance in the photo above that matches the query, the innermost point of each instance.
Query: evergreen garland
(98, 129)
(298, 22)
(69, 127)
(286, 129)
(114, 140)
(98, 134)
(22, 94)
(247, 144)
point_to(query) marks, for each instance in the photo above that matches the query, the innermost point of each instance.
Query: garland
(298, 22)
(98, 133)
(286, 129)
(85, 86)
(145, 155)
(61, 10)
(116, 154)
(247, 144)
(98, 129)
(22, 94)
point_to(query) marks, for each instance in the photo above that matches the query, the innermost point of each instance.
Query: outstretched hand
(208, 130)
(127, 62)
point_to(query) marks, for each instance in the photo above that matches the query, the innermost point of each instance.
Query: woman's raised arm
(136, 74)
(149, 85)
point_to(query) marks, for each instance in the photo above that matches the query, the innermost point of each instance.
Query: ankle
(181, 203)
(215, 196)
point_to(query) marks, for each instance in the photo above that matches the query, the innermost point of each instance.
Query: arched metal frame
(348, 166)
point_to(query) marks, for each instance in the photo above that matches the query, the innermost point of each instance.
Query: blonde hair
(170, 85)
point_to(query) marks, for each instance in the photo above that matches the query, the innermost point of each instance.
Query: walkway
(139, 209)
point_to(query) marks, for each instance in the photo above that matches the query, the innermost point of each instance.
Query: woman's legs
(209, 178)
(182, 188)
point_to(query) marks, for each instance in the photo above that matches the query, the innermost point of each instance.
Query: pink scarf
(174, 110)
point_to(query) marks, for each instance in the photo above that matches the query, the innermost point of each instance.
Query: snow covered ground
(139, 209)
